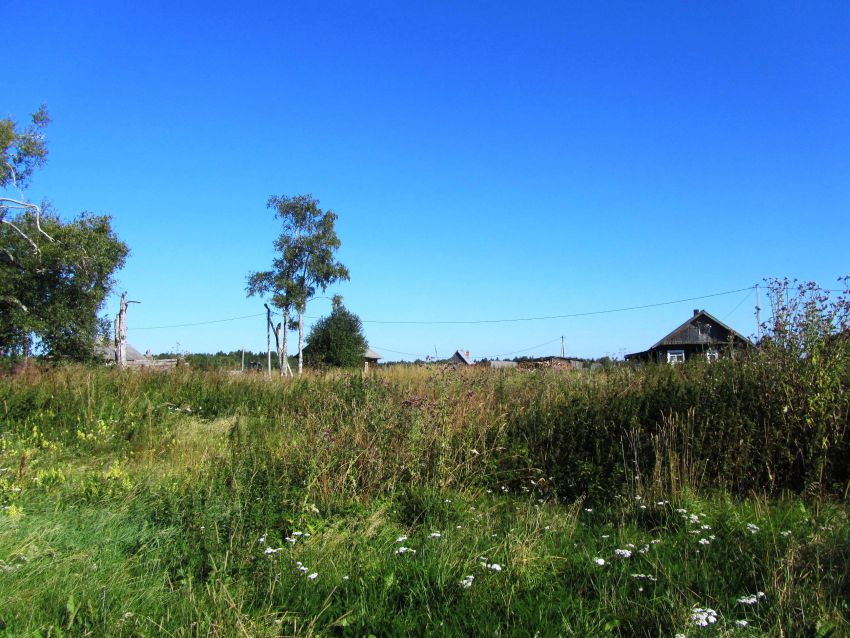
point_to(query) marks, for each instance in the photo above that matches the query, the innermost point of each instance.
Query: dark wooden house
(460, 358)
(702, 335)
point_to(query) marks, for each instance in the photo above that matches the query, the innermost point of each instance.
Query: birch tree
(304, 260)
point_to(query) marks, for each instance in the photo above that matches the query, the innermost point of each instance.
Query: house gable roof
(371, 354)
(107, 351)
(460, 357)
(690, 332)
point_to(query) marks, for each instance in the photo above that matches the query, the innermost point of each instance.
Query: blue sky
(486, 161)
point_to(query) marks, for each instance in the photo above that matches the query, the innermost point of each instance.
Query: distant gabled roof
(371, 354)
(107, 351)
(461, 355)
(690, 320)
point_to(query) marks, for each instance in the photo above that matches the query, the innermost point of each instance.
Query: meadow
(695, 500)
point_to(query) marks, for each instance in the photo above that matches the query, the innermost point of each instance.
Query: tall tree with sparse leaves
(304, 261)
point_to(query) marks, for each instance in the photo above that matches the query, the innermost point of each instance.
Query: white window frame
(712, 354)
(675, 356)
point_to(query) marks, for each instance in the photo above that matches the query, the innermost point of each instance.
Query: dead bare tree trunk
(121, 334)
(287, 368)
(269, 339)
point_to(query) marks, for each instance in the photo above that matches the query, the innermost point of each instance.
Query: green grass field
(416, 502)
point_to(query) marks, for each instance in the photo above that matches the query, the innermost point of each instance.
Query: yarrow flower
(623, 553)
(751, 599)
(703, 617)
(466, 583)
(704, 541)
(401, 539)
(753, 528)
(436, 535)
(313, 576)
(599, 561)
(742, 623)
(405, 550)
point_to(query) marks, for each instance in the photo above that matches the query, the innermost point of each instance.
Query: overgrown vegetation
(613, 503)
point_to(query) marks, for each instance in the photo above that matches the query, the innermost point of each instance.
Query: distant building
(460, 358)
(134, 359)
(502, 364)
(370, 357)
(701, 335)
(554, 363)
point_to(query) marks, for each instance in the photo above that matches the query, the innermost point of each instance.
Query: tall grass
(199, 503)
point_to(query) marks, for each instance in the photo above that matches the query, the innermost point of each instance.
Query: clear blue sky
(489, 160)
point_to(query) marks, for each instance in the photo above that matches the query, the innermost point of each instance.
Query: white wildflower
(742, 623)
(405, 550)
(786, 533)
(262, 540)
(466, 583)
(436, 535)
(704, 541)
(599, 561)
(313, 576)
(703, 617)
(272, 550)
(753, 528)
(623, 553)
(751, 599)
(401, 539)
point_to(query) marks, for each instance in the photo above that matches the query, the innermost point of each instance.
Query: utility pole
(758, 314)
(121, 332)
(562, 347)
(269, 339)
(243, 359)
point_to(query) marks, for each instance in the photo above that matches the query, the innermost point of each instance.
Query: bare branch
(24, 205)
(15, 301)
(22, 234)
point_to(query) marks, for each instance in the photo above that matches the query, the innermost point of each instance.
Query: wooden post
(243, 359)
(121, 332)
(269, 340)
(758, 314)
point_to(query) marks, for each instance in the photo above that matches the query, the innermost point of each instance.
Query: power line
(747, 296)
(505, 354)
(565, 316)
(474, 321)
(198, 323)
(409, 354)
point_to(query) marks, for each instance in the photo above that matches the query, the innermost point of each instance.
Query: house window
(712, 355)
(675, 356)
